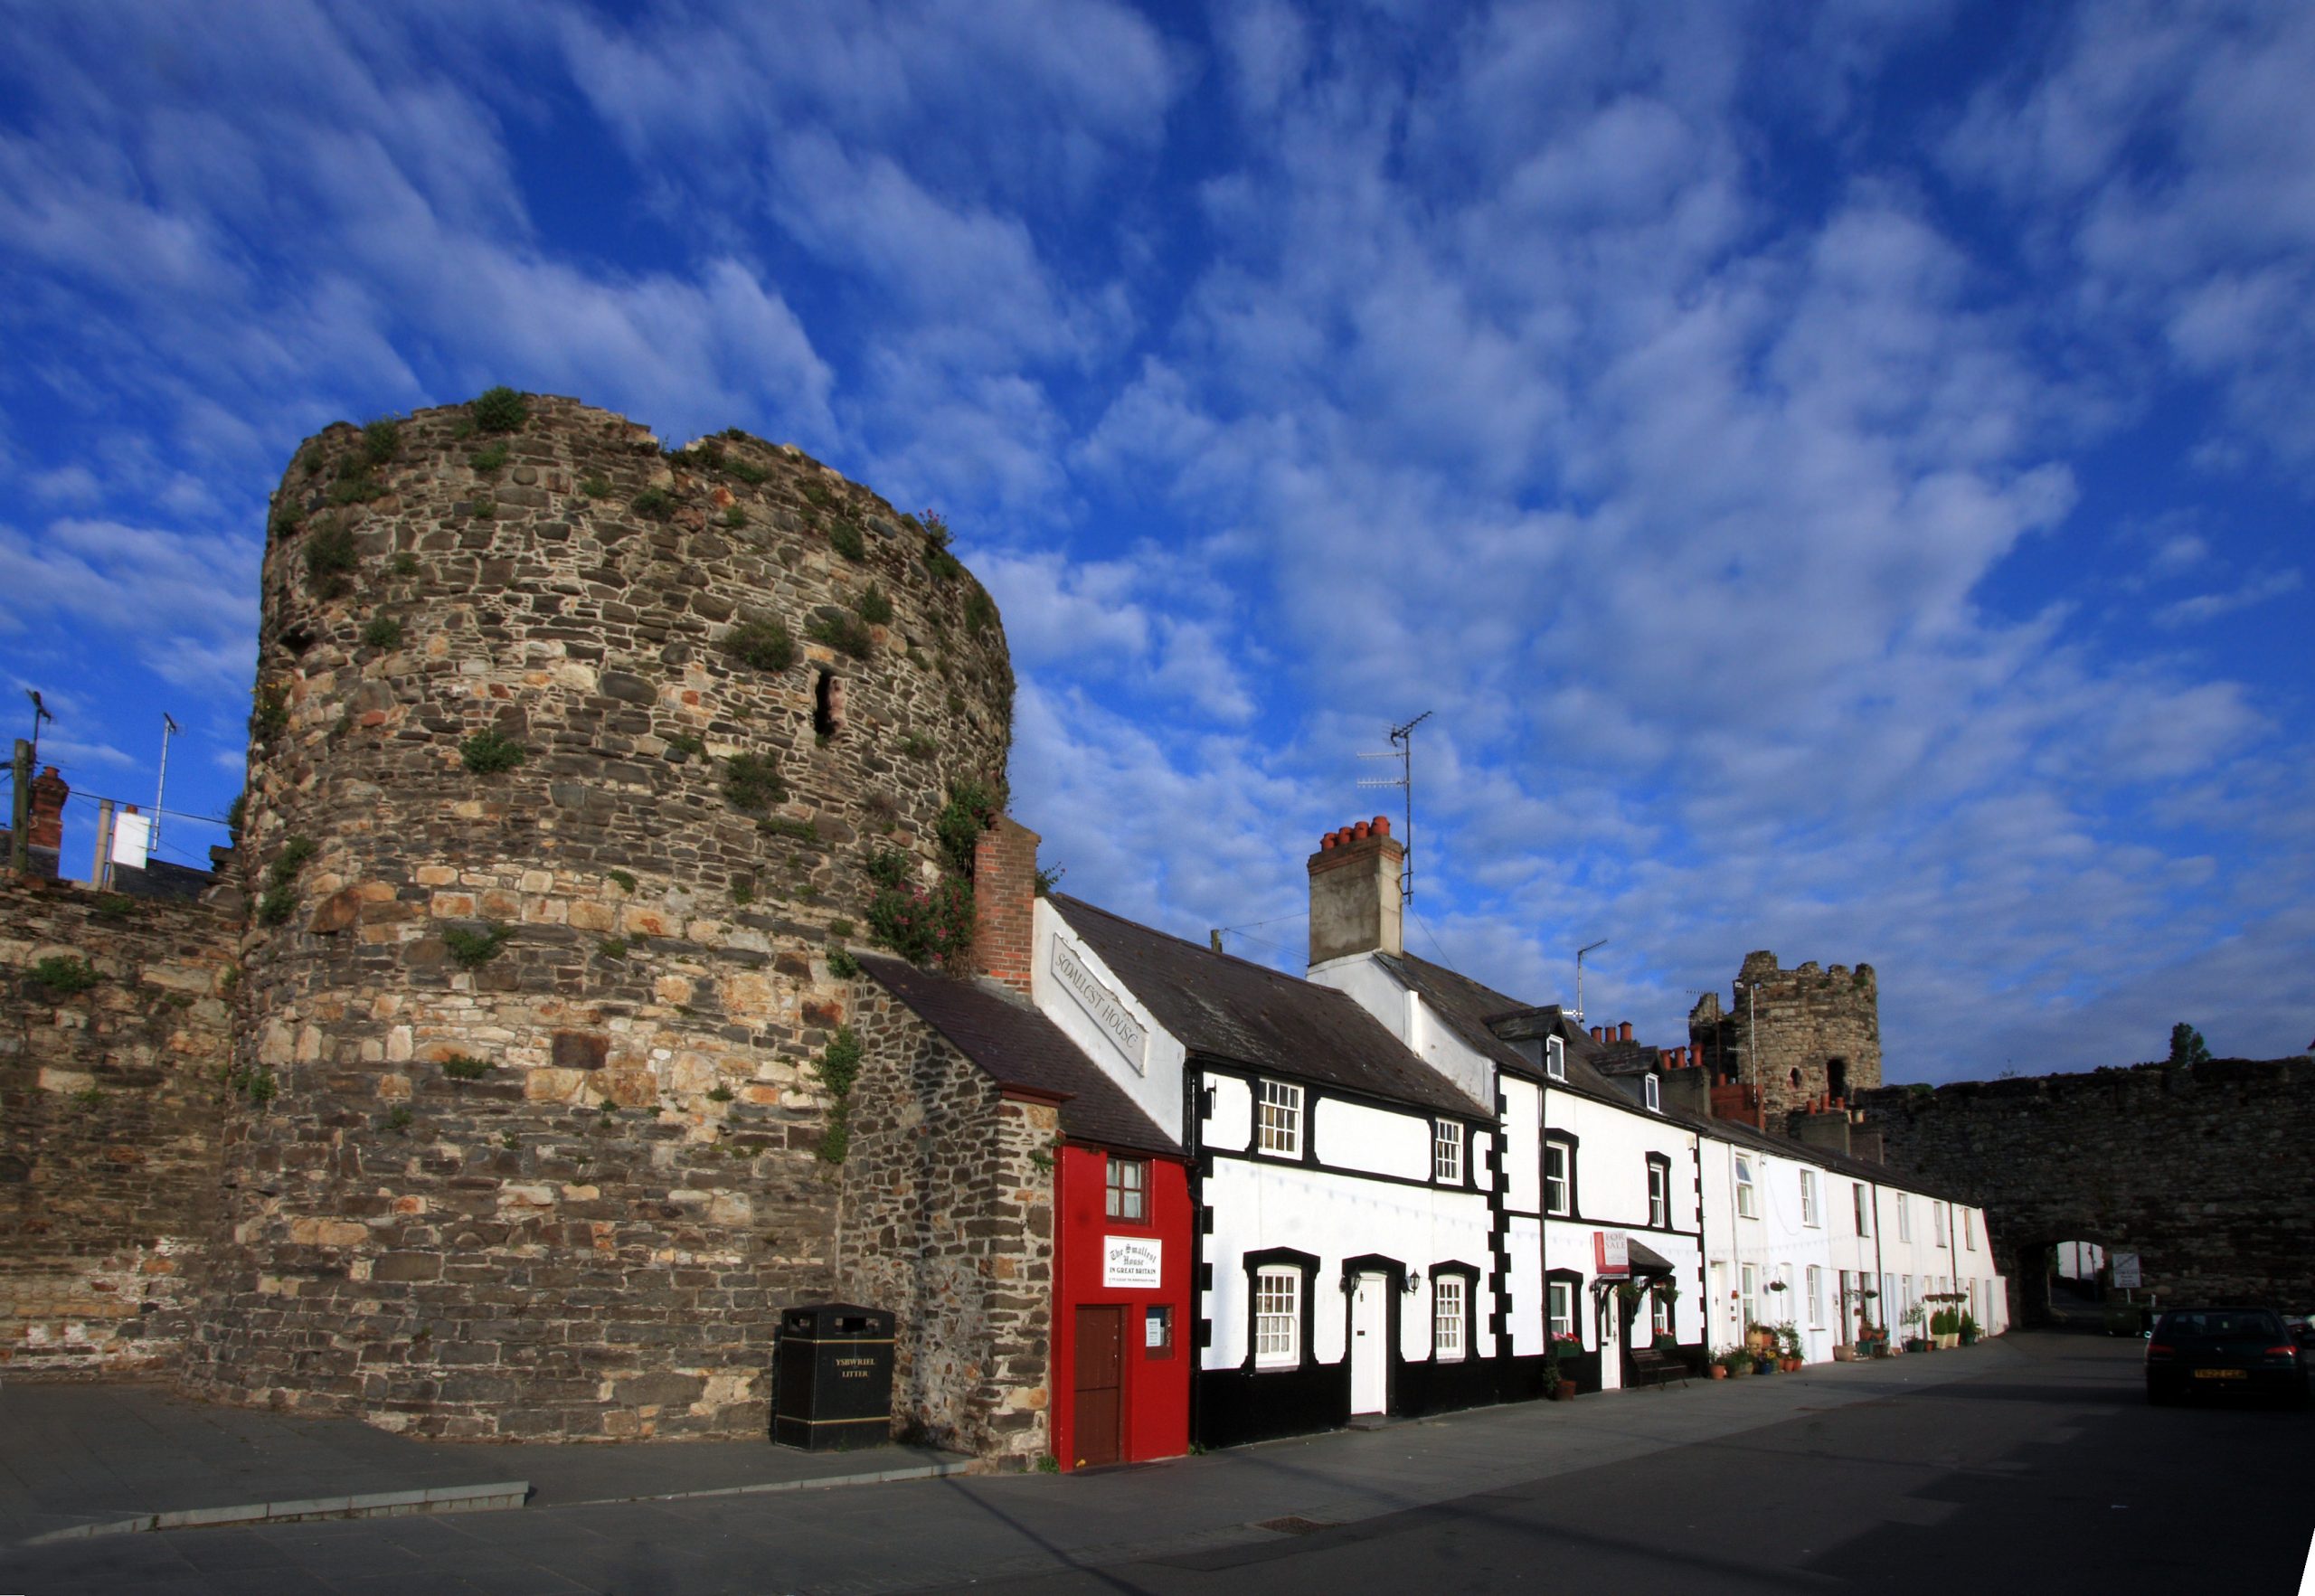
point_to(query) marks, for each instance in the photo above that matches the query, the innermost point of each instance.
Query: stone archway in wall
(2202, 1171)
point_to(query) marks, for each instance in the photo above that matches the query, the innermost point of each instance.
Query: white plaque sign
(1132, 1261)
(1100, 1005)
(132, 834)
(2126, 1271)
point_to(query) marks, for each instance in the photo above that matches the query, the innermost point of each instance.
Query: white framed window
(1278, 1317)
(1808, 1198)
(1129, 1188)
(1747, 1205)
(1904, 1218)
(1969, 1229)
(1660, 1195)
(1937, 1221)
(1556, 1187)
(1659, 1315)
(1281, 1129)
(1447, 1303)
(1816, 1297)
(1447, 1152)
(1562, 1297)
(1749, 1279)
(1863, 1224)
(1654, 1094)
(1556, 1058)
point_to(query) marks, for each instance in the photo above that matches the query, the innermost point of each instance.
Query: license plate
(2218, 1374)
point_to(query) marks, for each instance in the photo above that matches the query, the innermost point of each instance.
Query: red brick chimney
(1355, 903)
(1005, 904)
(49, 791)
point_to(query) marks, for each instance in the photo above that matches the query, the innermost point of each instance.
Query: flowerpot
(1792, 1366)
(1567, 1391)
(1843, 1353)
(1738, 1371)
(1720, 1371)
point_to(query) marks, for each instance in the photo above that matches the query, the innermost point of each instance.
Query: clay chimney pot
(1327, 843)
(1358, 832)
(1623, 1032)
(1381, 824)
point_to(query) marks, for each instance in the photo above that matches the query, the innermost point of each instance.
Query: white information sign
(132, 836)
(1611, 1254)
(2126, 1272)
(1100, 1005)
(1134, 1262)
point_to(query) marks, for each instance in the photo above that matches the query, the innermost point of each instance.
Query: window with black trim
(1282, 1119)
(1660, 1192)
(1129, 1188)
(1447, 1152)
(1561, 1300)
(1278, 1316)
(1450, 1302)
(1559, 1177)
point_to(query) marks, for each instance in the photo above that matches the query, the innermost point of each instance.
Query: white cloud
(2207, 607)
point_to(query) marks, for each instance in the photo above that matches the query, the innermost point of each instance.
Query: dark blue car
(2229, 1353)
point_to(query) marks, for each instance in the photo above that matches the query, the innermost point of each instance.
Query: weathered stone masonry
(542, 1153)
(948, 1220)
(108, 1123)
(1791, 1036)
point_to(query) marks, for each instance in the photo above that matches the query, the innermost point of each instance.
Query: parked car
(2225, 1352)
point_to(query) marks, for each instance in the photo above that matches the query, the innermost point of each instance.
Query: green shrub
(492, 460)
(936, 529)
(355, 487)
(918, 747)
(380, 440)
(721, 1094)
(920, 925)
(400, 1120)
(844, 538)
(486, 753)
(686, 745)
(943, 566)
(817, 494)
(734, 516)
(461, 1066)
(383, 632)
(842, 965)
(612, 946)
(64, 976)
(752, 782)
(653, 504)
(980, 612)
(972, 805)
(501, 410)
(761, 643)
(483, 507)
(840, 1067)
(743, 891)
(276, 904)
(800, 831)
(254, 1083)
(621, 879)
(471, 950)
(236, 813)
(330, 557)
(839, 928)
(747, 471)
(405, 564)
(595, 488)
(842, 633)
(874, 607)
(271, 718)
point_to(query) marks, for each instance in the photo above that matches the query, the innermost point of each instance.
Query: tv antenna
(1580, 952)
(1403, 751)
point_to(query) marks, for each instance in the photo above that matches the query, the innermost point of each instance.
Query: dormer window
(1554, 1058)
(1654, 1092)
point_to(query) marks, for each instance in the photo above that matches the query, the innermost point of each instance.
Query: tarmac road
(2031, 1464)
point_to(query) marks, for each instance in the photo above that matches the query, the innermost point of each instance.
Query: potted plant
(1738, 1361)
(1788, 1346)
(1558, 1384)
(1913, 1319)
(1969, 1332)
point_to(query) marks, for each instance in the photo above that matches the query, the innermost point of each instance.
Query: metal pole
(153, 844)
(20, 840)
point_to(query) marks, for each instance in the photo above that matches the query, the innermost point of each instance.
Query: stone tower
(1793, 1035)
(568, 756)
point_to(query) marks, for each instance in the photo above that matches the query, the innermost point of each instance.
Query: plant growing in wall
(64, 976)
(839, 1068)
(383, 632)
(653, 504)
(874, 607)
(471, 950)
(843, 633)
(844, 538)
(499, 410)
(751, 781)
(330, 558)
(761, 644)
(380, 440)
(280, 898)
(486, 753)
(921, 925)
(461, 1066)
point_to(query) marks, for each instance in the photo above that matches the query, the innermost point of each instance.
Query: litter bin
(832, 1378)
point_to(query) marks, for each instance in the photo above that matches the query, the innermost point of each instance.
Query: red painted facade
(1151, 1403)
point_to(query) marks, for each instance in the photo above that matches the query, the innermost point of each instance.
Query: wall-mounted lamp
(1414, 1281)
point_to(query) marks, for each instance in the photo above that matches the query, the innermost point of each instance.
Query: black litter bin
(832, 1378)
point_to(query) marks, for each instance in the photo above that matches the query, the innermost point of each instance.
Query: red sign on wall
(1610, 1254)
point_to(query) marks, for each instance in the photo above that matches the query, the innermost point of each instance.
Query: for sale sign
(1611, 1254)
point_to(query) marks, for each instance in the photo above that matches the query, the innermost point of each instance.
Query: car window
(2218, 1327)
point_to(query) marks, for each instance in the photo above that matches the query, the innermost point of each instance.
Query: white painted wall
(1230, 1126)
(1378, 1141)
(1372, 985)
(1612, 1144)
(1523, 1119)
(1155, 1085)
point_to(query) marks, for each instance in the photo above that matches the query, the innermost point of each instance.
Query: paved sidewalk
(75, 1456)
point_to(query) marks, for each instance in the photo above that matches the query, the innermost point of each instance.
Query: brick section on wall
(108, 1119)
(1004, 903)
(948, 1222)
(2204, 1171)
(594, 1237)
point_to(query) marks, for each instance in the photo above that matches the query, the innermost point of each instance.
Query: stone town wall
(534, 1146)
(109, 1119)
(948, 1222)
(1784, 1028)
(2204, 1171)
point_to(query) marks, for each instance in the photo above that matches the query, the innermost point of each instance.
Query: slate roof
(1017, 1046)
(1231, 1010)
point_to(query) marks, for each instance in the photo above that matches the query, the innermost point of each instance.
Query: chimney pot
(1327, 843)
(1595, 1032)
(1623, 1032)
(1358, 832)
(1381, 824)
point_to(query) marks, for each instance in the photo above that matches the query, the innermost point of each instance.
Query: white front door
(1370, 1331)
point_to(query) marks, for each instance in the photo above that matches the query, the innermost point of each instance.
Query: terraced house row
(1284, 1203)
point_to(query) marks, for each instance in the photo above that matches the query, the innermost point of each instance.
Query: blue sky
(1838, 477)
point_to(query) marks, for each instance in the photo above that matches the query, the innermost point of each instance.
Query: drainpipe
(1193, 1121)
(1880, 1275)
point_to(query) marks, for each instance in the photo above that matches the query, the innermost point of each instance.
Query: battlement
(1791, 1036)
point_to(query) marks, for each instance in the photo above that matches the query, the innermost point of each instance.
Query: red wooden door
(1101, 1371)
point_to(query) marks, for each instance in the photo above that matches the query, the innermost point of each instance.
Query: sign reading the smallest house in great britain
(1100, 1005)
(1132, 1261)
(1611, 1253)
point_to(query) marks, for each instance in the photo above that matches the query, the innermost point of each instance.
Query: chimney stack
(1005, 904)
(1623, 1030)
(49, 792)
(1355, 904)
